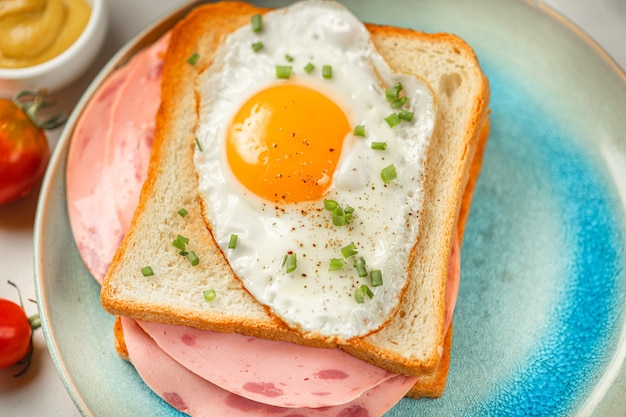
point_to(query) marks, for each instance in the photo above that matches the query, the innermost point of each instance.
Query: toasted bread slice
(413, 342)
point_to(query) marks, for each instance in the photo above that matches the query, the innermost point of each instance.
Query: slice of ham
(109, 155)
(453, 282)
(198, 397)
(96, 228)
(276, 373)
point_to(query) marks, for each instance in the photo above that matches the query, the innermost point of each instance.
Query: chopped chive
(182, 239)
(147, 271)
(232, 242)
(400, 102)
(309, 67)
(405, 115)
(330, 205)
(376, 277)
(193, 258)
(393, 119)
(257, 23)
(209, 295)
(359, 130)
(361, 292)
(179, 244)
(183, 253)
(182, 212)
(290, 261)
(193, 59)
(327, 71)
(283, 71)
(339, 217)
(199, 146)
(359, 295)
(257, 46)
(349, 250)
(289, 58)
(393, 93)
(348, 214)
(361, 267)
(336, 264)
(388, 174)
(379, 146)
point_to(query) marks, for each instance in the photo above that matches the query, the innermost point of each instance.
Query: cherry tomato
(15, 333)
(24, 149)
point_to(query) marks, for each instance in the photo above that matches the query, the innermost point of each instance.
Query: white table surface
(40, 392)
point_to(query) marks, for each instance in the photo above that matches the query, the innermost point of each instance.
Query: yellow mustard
(35, 31)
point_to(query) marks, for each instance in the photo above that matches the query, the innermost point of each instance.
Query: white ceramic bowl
(61, 70)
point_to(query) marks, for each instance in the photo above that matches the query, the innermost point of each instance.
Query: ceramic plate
(540, 323)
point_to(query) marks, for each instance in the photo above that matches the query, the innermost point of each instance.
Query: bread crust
(201, 32)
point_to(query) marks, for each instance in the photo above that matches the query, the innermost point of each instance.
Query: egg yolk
(284, 143)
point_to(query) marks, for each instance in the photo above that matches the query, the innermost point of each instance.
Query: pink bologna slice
(109, 154)
(276, 373)
(198, 397)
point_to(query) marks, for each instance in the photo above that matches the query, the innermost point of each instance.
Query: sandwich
(177, 264)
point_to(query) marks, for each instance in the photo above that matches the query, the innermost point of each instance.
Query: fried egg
(318, 175)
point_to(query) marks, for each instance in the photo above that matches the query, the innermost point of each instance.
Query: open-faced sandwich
(294, 249)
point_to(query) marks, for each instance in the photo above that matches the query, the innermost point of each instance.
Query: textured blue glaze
(536, 317)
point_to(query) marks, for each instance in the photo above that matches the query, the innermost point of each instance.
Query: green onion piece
(257, 23)
(257, 46)
(361, 267)
(193, 59)
(182, 212)
(336, 264)
(179, 244)
(147, 271)
(393, 120)
(193, 258)
(289, 58)
(405, 115)
(232, 242)
(393, 93)
(291, 262)
(199, 146)
(209, 295)
(348, 212)
(359, 130)
(361, 292)
(379, 146)
(327, 71)
(349, 250)
(330, 205)
(283, 71)
(183, 239)
(309, 67)
(359, 295)
(339, 217)
(376, 277)
(183, 253)
(400, 102)
(388, 174)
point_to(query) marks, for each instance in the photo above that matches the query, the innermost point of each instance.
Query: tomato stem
(31, 102)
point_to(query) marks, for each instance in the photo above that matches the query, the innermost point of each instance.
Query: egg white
(312, 299)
